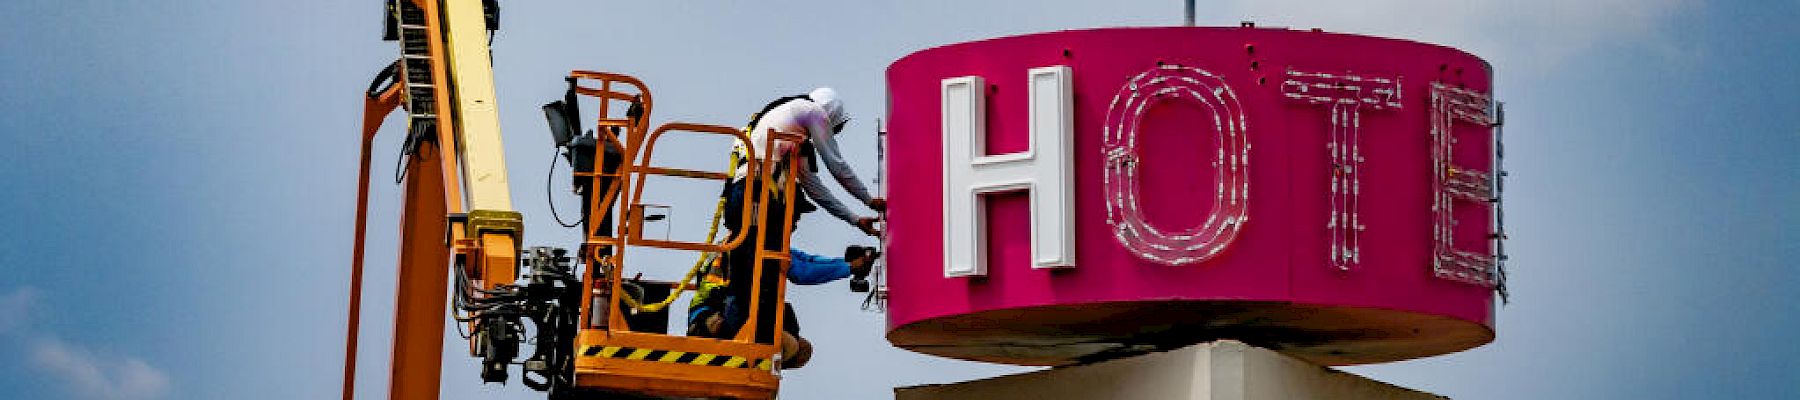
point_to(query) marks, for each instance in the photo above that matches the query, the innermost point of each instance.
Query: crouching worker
(711, 315)
(820, 115)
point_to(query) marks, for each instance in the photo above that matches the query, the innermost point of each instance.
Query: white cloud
(99, 376)
(15, 307)
(1531, 36)
(85, 373)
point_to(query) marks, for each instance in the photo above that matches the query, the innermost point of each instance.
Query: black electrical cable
(400, 165)
(460, 299)
(549, 195)
(389, 75)
(416, 133)
(868, 300)
(1500, 283)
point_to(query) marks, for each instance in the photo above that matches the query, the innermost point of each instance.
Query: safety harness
(740, 152)
(705, 274)
(707, 277)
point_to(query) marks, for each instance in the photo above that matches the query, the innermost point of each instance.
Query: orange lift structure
(595, 330)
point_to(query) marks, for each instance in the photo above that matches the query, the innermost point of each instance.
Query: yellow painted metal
(499, 260)
(477, 117)
(462, 168)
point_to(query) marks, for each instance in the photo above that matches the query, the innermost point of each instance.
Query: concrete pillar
(1224, 370)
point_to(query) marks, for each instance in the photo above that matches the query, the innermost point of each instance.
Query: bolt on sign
(1075, 195)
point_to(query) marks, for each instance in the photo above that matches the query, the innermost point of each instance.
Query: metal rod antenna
(880, 156)
(877, 298)
(1188, 17)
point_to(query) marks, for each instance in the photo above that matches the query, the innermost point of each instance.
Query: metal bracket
(510, 223)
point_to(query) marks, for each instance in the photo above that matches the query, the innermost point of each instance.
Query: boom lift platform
(615, 353)
(595, 331)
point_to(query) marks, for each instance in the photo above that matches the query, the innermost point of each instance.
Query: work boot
(795, 351)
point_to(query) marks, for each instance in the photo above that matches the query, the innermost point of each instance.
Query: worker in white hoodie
(820, 116)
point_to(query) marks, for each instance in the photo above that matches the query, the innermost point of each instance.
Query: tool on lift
(859, 277)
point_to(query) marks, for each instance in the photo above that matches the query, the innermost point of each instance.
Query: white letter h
(1045, 169)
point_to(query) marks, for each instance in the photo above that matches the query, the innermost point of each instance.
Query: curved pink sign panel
(1072, 196)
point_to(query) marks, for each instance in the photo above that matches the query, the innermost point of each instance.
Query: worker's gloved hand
(878, 204)
(867, 225)
(860, 258)
(862, 261)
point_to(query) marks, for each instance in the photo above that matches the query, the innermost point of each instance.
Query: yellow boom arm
(457, 205)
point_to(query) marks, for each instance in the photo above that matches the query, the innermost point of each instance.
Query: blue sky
(178, 180)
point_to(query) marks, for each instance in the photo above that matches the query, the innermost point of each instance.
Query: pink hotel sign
(1078, 195)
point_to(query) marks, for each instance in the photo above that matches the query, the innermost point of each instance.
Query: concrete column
(1224, 370)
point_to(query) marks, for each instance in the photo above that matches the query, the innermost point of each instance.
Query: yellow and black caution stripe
(675, 357)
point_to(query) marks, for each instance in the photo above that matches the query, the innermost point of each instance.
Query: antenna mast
(1188, 18)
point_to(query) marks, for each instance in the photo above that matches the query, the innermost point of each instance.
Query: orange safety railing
(604, 255)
